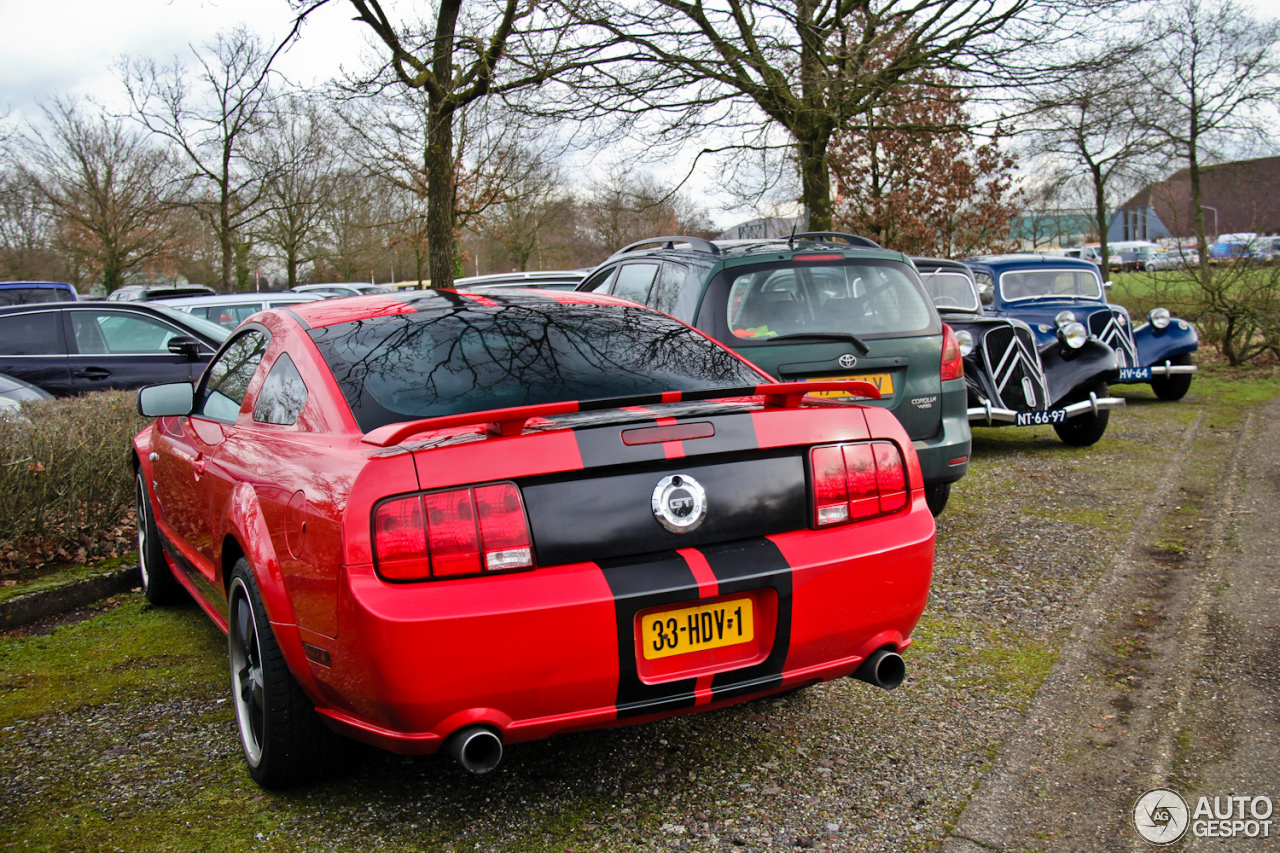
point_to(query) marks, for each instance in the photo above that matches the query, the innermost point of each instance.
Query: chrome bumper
(989, 414)
(1168, 369)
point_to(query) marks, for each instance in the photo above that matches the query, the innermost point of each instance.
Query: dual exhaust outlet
(479, 748)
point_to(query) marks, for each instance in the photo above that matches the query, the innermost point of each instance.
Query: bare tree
(810, 68)
(535, 197)
(208, 115)
(624, 207)
(1100, 120)
(27, 231)
(298, 151)
(1216, 74)
(110, 188)
(468, 53)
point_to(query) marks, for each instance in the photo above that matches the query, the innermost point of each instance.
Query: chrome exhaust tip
(884, 668)
(477, 748)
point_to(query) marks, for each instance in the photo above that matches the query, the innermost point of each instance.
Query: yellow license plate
(693, 629)
(882, 381)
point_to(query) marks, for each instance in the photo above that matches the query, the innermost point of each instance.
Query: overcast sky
(68, 46)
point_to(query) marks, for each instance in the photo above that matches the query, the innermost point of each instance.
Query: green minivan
(816, 306)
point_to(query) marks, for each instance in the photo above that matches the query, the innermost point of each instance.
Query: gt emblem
(848, 360)
(1029, 391)
(679, 503)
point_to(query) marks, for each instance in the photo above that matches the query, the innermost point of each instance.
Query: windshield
(182, 318)
(839, 297)
(470, 357)
(951, 291)
(1050, 283)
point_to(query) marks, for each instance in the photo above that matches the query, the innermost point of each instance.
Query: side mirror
(1106, 285)
(185, 346)
(173, 399)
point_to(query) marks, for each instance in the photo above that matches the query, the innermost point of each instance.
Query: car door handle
(93, 373)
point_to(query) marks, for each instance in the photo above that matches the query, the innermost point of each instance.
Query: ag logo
(848, 360)
(679, 503)
(1161, 816)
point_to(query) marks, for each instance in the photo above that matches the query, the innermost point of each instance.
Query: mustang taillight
(952, 358)
(856, 481)
(459, 532)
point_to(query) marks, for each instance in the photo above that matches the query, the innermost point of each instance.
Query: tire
(1084, 430)
(285, 742)
(936, 495)
(158, 583)
(1173, 387)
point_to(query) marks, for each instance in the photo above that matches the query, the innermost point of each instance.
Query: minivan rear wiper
(822, 336)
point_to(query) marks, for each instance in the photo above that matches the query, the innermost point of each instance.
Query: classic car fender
(1068, 371)
(244, 523)
(1157, 345)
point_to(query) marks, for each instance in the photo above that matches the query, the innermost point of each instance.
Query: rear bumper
(555, 649)
(944, 457)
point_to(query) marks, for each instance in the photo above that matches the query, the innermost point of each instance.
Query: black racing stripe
(602, 445)
(663, 578)
(739, 567)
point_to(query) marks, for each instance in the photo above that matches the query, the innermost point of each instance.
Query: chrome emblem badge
(679, 503)
(848, 360)
(1029, 391)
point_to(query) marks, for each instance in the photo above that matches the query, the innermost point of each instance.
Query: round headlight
(1159, 317)
(1073, 335)
(1064, 317)
(965, 340)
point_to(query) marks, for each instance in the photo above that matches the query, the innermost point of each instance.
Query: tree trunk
(1100, 214)
(440, 195)
(815, 181)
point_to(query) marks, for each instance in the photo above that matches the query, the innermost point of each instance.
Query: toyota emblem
(848, 360)
(679, 503)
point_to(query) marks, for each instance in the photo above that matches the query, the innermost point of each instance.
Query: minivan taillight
(453, 533)
(856, 481)
(952, 359)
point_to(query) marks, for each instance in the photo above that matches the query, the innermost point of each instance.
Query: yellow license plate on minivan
(882, 381)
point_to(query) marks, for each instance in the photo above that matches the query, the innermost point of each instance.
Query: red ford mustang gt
(463, 520)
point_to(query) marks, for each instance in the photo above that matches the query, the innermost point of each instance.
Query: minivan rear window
(841, 297)
(470, 356)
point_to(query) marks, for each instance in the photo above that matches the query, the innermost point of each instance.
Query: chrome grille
(1014, 365)
(1114, 329)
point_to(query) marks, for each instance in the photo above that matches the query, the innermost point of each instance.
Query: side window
(666, 295)
(599, 282)
(35, 333)
(283, 394)
(634, 281)
(228, 377)
(118, 333)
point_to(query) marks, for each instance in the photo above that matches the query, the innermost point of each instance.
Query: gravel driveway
(115, 732)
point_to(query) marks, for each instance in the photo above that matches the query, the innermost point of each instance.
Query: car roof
(940, 264)
(57, 285)
(328, 312)
(244, 298)
(1029, 261)
(519, 279)
(728, 250)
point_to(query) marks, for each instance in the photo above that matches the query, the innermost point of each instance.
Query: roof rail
(697, 243)
(851, 239)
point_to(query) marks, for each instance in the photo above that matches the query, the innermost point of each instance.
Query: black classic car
(1011, 380)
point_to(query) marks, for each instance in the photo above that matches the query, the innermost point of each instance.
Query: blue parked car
(1049, 293)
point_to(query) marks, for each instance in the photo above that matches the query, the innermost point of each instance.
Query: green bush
(65, 479)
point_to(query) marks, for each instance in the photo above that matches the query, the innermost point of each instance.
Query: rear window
(863, 298)
(34, 295)
(470, 357)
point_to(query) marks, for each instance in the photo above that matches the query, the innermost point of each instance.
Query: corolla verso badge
(848, 360)
(679, 503)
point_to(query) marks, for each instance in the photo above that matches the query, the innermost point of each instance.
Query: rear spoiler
(511, 421)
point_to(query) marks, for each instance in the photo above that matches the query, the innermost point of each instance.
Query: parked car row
(705, 474)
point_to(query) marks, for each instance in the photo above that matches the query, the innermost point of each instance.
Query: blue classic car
(1049, 293)
(1012, 379)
